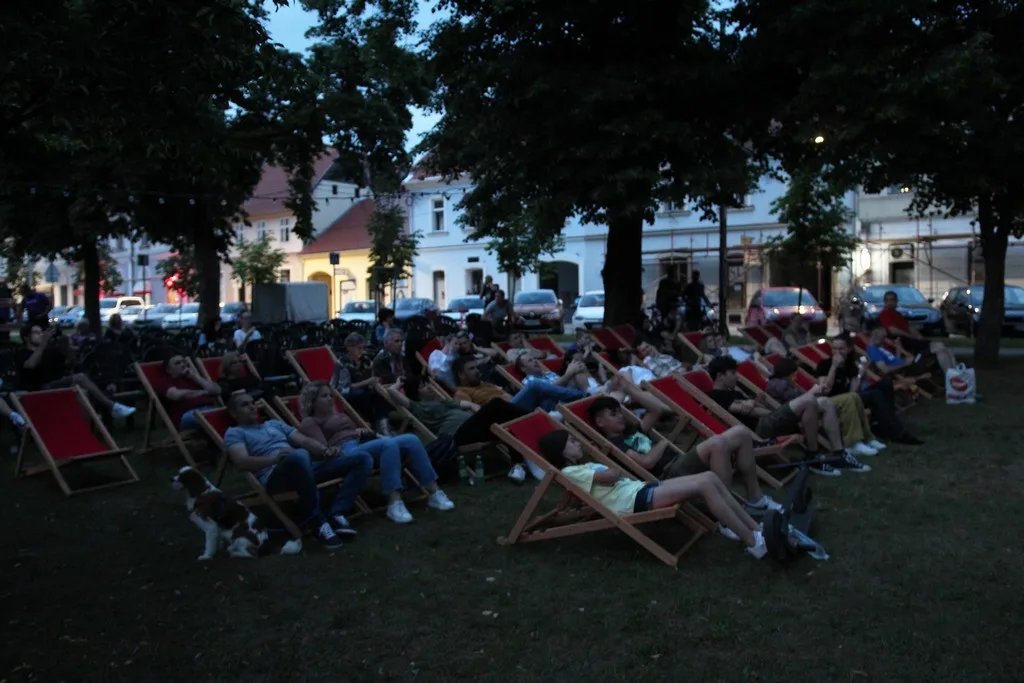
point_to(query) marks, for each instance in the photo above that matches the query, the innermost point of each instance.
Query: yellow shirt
(619, 498)
(480, 394)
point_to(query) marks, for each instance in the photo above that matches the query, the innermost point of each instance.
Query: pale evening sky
(288, 26)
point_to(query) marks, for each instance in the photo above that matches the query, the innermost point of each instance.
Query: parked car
(961, 309)
(71, 317)
(112, 305)
(867, 302)
(407, 308)
(538, 309)
(187, 315)
(130, 313)
(56, 312)
(153, 316)
(462, 306)
(229, 312)
(364, 311)
(589, 311)
(779, 304)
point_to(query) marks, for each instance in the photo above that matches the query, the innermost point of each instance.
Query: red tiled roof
(270, 193)
(347, 233)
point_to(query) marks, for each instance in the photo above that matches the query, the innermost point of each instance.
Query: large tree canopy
(589, 109)
(914, 93)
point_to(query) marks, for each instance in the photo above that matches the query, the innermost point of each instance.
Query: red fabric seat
(607, 339)
(674, 392)
(212, 367)
(694, 338)
(433, 344)
(748, 371)
(154, 372)
(773, 359)
(61, 423)
(627, 332)
(530, 429)
(548, 344)
(757, 335)
(581, 409)
(317, 363)
(700, 379)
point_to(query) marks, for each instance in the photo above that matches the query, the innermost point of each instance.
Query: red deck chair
(313, 365)
(757, 335)
(608, 339)
(544, 342)
(710, 419)
(627, 333)
(753, 381)
(515, 378)
(691, 342)
(210, 367)
(502, 348)
(423, 355)
(578, 512)
(773, 330)
(148, 374)
(67, 431)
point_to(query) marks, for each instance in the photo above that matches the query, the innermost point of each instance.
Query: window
(261, 230)
(240, 231)
(671, 207)
(285, 222)
(119, 244)
(284, 275)
(286, 234)
(437, 214)
(144, 243)
(744, 203)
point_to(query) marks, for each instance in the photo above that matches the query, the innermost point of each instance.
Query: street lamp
(818, 139)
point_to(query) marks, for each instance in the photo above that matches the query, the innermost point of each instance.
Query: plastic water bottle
(464, 472)
(480, 468)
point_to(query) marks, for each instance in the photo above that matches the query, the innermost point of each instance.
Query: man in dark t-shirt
(694, 296)
(182, 391)
(724, 452)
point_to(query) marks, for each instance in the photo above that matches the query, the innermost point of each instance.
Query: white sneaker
(765, 502)
(398, 513)
(121, 410)
(439, 501)
(862, 449)
(760, 548)
(517, 474)
(17, 420)
(877, 445)
(727, 532)
(536, 471)
(556, 416)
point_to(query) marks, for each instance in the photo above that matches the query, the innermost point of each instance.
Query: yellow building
(348, 237)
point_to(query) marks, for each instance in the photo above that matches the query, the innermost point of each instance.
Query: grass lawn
(923, 585)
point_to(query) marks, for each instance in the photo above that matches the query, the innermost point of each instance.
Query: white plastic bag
(960, 385)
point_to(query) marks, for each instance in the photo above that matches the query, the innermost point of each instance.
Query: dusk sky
(289, 25)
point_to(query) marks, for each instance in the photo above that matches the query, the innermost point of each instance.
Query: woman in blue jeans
(322, 422)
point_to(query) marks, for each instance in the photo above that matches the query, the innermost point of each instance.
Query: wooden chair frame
(156, 408)
(54, 465)
(568, 518)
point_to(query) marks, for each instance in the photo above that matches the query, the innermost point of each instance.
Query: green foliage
(817, 221)
(393, 250)
(519, 247)
(181, 267)
(18, 272)
(258, 262)
(110, 274)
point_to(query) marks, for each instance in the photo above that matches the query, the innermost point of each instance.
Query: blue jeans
(188, 418)
(544, 395)
(388, 452)
(299, 473)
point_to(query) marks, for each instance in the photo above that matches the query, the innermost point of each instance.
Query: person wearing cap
(624, 495)
(801, 414)
(721, 454)
(783, 388)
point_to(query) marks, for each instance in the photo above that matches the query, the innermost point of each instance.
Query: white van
(112, 305)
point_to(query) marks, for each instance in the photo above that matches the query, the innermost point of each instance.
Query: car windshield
(108, 303)
(73, 310)
(164, 308)
(358, 307)
(1011, 295)
(411, 304)
(788, 297)
(233, 308)
(592, 300)
(190, 308)
(530, 298)
(131, 310)
(906, 295)
(466, 303)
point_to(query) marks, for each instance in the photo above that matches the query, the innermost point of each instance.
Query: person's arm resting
(650, 458)
(240, 458)
(608, 477)
(176, 394)
(299, 440)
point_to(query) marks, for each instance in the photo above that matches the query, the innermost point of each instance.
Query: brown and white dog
(224, 520)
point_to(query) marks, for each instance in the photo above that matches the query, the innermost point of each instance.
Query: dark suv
(961, 309)
(866, 302)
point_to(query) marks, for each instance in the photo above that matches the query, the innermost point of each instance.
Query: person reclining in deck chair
(782, 387)
(466, 422)
(721, 454)
(284, 460)
(713, 345)
(233, 377)
(42, 366)
(354, 379)
(661, 364)
(182, 391)
(575, 375)
(889, 364)
(322, 422)
(442, 361)
(799, 415)
(534, 395)
(896, 326)
(389, 365)
(840, 377)
(624, 495)
(847, 376)
(517, 347)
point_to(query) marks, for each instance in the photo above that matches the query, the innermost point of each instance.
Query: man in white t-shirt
(246, 332)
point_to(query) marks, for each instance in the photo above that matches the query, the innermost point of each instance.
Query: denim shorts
(645, 497)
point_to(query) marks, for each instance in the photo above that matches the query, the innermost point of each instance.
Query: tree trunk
(208, 265)
(723, 271)
(91, 286)
(994, 238)
(623, 270)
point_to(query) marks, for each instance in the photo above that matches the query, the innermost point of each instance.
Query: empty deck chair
(68, 432)
(313, 365)
(578, 512)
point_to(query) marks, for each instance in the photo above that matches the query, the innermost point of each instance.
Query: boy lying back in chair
(625, 496)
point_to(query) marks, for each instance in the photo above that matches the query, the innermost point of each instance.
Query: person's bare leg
(830, 424)
(944, 356)
(705, 485)
(741, 514)
(806, 408)
(90, 387)
(714, 452)
(742, 445)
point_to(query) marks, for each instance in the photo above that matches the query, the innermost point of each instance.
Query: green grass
(968, 342)
(923, 585)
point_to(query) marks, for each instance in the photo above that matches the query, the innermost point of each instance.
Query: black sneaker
(341, 526)
(327, 538)
(850, 462)
(824, 469)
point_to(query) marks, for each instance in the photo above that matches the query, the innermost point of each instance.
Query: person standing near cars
(693, 296)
